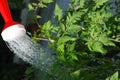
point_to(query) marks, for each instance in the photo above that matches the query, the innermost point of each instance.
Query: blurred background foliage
(16, 4)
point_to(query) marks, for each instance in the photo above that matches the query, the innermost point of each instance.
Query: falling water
(31, 52)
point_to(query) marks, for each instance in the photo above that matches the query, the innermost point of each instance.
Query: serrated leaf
(74, 17)
(62, 41)
(73, 28)
(108, 43)
(99, 3)
(105, 40)
(45, 29)
(98, 47)
(58, 12)
(65, 39)
(47, 25)
(89, 43)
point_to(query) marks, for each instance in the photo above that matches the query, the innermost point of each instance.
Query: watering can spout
(12, 29)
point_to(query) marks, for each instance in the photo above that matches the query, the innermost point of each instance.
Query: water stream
(31, 52)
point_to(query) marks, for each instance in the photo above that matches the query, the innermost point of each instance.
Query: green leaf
(60, 48)
(64, 39)
(113, 77)
(75, 1)
(58, 12)
(62, 58)
(73, 57)
(46, 28)
(98, 47)
(76, 73)
(71, 47)
(40, 5)
(108, 43)
(74, 17)
(30, 7)
(47, 1)
(95, 46)
(105, 40)
(99, 3)
(38, 17)
(81, 3)
(34, 4)
(73, 28)
(62, 26)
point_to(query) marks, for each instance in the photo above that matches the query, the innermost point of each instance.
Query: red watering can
(12, 29)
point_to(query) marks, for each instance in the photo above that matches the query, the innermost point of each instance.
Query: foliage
(28, 73)
(15, 4)
(39, 4)
(113, 77)
(81, 38)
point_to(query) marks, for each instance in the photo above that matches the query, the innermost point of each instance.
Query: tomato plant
(82, 39)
